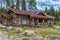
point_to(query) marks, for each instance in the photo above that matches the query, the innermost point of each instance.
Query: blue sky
(42, 4)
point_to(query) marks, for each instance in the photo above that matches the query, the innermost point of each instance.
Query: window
(45, 20)
(49, 22)
(40, 20)
(23, 21)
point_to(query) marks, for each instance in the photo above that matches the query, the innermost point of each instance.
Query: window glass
(23, 21)
(40, 20)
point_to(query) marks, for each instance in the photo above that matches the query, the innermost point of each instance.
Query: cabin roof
(31, 14)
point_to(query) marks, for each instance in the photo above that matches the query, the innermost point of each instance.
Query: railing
(42, 24)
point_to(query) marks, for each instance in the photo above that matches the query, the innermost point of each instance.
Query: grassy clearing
(45, 31)
(39, 31)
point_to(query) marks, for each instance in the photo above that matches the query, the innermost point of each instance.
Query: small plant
(25, 39)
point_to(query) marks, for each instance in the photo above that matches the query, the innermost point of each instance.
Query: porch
(42, 22)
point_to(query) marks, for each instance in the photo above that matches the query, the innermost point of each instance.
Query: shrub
(25, 39)
(56, 23)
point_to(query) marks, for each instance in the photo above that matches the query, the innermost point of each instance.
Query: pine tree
(46, 9)
(59, 13)
(51, 11)
(56, 15)
(17, 4)
(32, 5)
(23, 4)
(10, 3)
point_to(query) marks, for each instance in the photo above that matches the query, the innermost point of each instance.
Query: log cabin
(17, 17)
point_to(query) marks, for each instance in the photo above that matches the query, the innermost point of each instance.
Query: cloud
(55, 0)
(48, 3)
(41, 0)
(41, 4)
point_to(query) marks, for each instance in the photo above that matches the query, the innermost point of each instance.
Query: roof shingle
(32, 14)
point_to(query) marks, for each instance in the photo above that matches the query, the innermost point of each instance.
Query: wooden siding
(15, 17)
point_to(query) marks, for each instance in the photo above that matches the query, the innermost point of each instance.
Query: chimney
(14, 7)
(45, 13)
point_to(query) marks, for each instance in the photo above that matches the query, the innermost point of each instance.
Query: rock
(51, 38)
(57, 27)
(2, 26)
(10, 28)
(58, 38)
(3, 35)
(18, 29)
(29, 33)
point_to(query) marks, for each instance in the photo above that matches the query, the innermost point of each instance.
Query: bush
(56, 23)
(25, 39)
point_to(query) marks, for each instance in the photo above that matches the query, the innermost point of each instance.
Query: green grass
(44, 31)
(39, 31)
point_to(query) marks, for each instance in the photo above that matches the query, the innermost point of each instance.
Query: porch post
(37, 21)
(4, 21)
(43, 21)
(32, 21)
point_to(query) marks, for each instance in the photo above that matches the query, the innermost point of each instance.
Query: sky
(42, 4)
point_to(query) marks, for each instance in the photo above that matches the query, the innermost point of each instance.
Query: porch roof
(43, 17)
(31, 14)
(7, 16)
